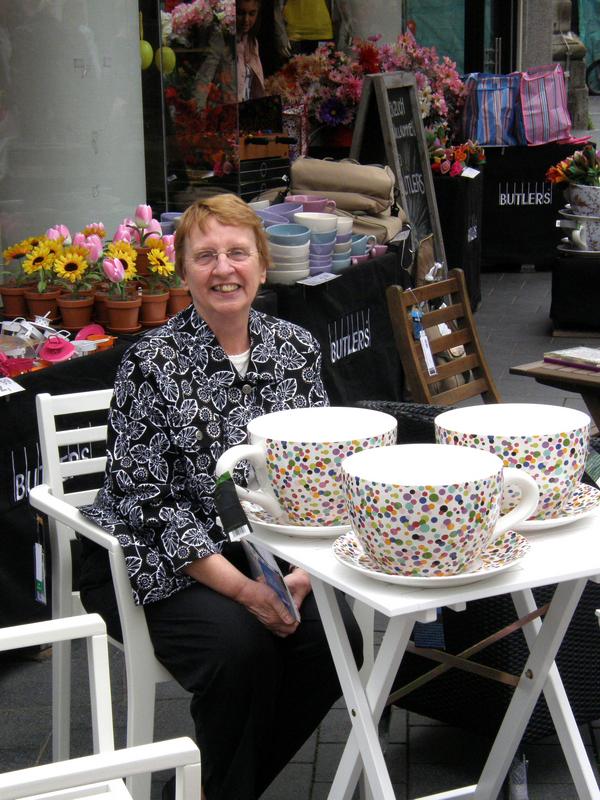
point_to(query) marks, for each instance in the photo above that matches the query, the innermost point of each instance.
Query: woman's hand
(298, 582)
(263, 602)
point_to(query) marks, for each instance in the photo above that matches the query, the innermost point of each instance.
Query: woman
(184, 393)
(250, 78)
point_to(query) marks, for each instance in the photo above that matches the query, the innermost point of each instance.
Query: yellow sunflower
(40, 258)
(126, 255)
(159, 263)
(72, 264)
(95, 227)
(20, 248)
(154, 243)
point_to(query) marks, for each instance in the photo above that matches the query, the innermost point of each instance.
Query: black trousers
(256, 698)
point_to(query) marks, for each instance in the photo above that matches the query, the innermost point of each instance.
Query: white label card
(315, 280)
(429, 362)
(8, 386)
(469, 172)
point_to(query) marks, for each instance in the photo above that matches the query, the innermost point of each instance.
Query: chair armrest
(56, 508)
(180, 753)
(53, 630)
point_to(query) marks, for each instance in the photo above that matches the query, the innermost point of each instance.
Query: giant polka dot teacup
(430, 509)
(550, 443)
(297, 457)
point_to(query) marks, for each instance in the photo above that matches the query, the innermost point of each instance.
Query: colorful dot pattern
(424, 530)
(306, 476)
(555, 462)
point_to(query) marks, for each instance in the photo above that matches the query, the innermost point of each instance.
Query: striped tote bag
(491, 112)
(543, 105)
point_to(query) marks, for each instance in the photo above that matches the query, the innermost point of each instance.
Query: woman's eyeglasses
(210, 258)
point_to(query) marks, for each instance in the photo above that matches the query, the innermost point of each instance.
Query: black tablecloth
(576, 293)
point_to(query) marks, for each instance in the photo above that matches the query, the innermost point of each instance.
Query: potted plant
(12, 290)
(38, 264)
(76, 269)
(581, 174)
(136, 232)
(122, 306)
(155, 284)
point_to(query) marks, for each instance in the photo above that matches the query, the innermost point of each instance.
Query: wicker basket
(469, 701)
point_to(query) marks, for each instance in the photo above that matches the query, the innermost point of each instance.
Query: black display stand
(520, 207)
(459, 202)
(575, 305)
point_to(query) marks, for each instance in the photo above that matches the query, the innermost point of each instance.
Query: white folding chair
(60, 504)
(100, 774)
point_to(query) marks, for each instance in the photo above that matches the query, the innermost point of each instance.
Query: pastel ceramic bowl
(320, 261)
(311, 202)
(271, 219)
(297, 456)
(291, 260)
(259, 205)
(290, 251)
(343, 247)
(321, 249)
(340, 264)
(286, 210)
(549, 443)
(344, 226)
(299, 266)
(429, 509)
(343, 238)
(323, 238)
(317, 222)
(287, 277)
(288, 234)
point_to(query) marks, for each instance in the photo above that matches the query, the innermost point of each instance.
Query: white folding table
(567, 556)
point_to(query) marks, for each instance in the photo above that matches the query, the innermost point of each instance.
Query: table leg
(535, 673)
(560, 708)
(365, 703)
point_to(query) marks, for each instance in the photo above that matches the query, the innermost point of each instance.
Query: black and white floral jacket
(178, 405)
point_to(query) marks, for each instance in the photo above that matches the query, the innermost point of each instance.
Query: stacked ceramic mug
(323, 230)
(342, 250)
(289, 252)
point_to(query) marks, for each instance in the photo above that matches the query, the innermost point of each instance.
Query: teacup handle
(530, 497)
(255, 454)
(578, 239)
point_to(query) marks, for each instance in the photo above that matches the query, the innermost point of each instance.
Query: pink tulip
(123, 234)
(169, 240)
(143, 215)
(59, 232)
(153, 227)
(79, 239)
(94, 246)
(113, 269)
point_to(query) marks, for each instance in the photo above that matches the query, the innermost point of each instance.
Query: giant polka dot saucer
(503, 553)
(261, 519)
(583, 501)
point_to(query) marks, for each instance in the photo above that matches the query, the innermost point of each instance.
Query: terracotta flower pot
(100, 313)
(76, 312)
(141, 260)
(13, 301)
(40, 303)
(123, 315)
(179, 298)
(154, 309)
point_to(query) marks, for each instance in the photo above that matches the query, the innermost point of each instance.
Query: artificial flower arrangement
(75, 262)
(447, 159)
(180, 21)
(327, 84)
(582, 168)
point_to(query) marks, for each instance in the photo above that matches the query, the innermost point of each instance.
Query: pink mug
(378, 250)
(359, 259)
(312, 202)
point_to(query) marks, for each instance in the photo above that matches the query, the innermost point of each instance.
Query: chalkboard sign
(389, 130)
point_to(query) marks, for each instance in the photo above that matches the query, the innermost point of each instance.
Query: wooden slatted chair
(433, 389)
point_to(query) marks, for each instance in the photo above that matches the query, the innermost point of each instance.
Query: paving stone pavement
(424, 756)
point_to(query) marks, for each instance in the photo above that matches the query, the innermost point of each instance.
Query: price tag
(8, 386)
(315, 280)
(469, 172)
(429, 362)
